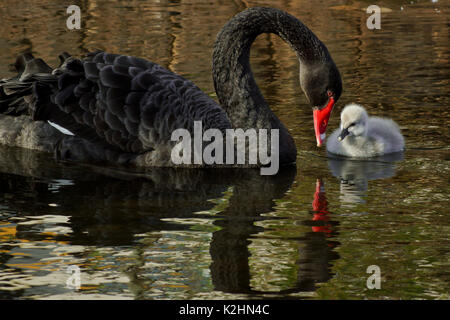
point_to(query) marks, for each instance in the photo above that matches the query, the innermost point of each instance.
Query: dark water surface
(309, 232)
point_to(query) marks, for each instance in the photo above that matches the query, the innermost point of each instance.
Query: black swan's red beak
(321, 117)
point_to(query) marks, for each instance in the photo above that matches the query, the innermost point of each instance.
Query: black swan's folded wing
(128, 103)
(119, 102)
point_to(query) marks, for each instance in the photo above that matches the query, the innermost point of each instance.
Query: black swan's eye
(330, 93)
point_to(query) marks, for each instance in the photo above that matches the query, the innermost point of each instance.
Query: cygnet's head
(353, 121)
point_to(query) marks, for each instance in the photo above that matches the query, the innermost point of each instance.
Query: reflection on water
(309, 232)
(354, 175)
(319, 251)
(162, 221)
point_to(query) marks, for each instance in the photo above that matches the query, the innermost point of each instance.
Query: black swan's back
(116, 102)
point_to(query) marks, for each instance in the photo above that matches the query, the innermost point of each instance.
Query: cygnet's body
(362, 136)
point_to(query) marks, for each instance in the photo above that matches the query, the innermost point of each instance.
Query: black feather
(111, 79)
(91, 71)
(132, 112)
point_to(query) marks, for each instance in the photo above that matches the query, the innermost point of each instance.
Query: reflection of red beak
(321, 118)
(320, 207)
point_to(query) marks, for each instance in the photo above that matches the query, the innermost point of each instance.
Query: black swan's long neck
(234, 83)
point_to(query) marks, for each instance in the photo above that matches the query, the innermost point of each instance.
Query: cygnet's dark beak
(343, 134)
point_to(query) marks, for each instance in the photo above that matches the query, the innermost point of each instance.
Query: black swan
(361, 136)
(122, 109)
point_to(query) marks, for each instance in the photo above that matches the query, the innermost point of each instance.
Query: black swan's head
(322, 85)
(233, 80)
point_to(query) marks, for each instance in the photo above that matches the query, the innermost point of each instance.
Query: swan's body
(362, 136)
(123, 109)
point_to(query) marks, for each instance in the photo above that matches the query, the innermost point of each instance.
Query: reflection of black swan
(123, 109)
(124, 206)
(135, 202)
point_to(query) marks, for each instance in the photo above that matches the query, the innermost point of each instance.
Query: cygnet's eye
(351, 124)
